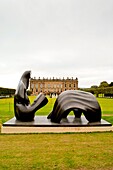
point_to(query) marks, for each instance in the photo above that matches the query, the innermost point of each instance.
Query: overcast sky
(56, 38)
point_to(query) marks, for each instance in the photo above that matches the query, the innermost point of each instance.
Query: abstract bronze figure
(22, 108)
(77, 101)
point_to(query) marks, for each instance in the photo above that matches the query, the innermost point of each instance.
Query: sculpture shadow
(24, 111)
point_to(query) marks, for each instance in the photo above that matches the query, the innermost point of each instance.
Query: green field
(75, 151)
(7, 110)
(65, 151)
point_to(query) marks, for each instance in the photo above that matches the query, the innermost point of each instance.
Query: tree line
(6, 92)
(103, 90)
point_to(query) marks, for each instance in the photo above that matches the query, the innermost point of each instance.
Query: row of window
(48, 91)
(50, 85)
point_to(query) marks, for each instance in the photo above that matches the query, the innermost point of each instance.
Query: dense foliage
(104, 89)
(6, 92)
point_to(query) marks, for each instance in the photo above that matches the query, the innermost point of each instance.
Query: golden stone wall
(52, 86)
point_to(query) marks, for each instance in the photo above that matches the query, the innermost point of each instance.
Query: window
(32, 85)
(36, 86)
(41, 85)
(49, 86)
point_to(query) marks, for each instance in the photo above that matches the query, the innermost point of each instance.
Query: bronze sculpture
(24, 111)
(71, 100)
(77, 101)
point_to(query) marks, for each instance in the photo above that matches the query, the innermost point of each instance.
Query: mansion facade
(52, 86)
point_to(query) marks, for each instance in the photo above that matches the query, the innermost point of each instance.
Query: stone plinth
(43, 125)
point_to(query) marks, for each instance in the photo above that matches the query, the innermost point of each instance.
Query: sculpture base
(42, 124)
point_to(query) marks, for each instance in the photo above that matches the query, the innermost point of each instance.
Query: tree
(111, 84)
(103, 84)
(94, 86)
(29, 92)
(6, 91)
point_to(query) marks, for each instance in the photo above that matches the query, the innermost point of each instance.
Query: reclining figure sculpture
(77, 101)
(22, 108)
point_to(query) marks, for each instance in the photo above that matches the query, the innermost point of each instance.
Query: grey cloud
(57, 38)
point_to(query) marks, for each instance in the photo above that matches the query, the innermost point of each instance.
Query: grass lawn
(83, 151)
(7, 110)
(68, 151)
(106, 105)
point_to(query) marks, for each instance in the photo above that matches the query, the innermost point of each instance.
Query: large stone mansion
(52, 86)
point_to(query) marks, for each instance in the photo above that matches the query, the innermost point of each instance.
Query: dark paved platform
(42, 121)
